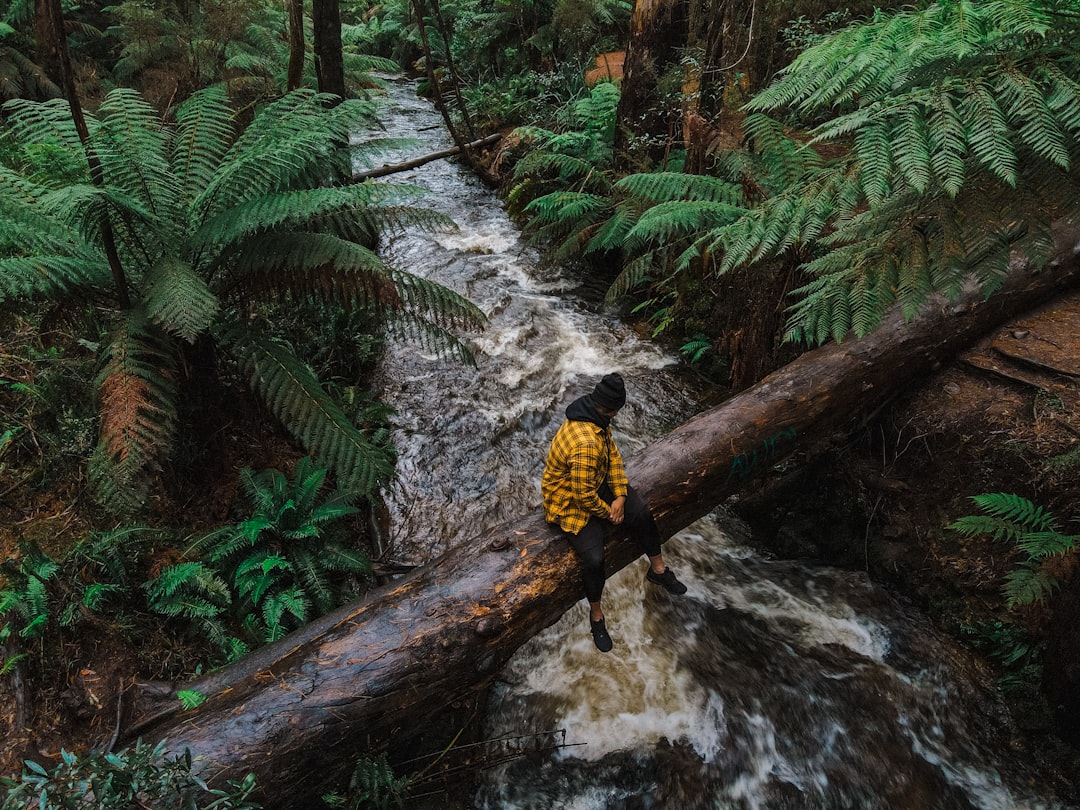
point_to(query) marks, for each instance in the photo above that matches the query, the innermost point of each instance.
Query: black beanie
(610, 392)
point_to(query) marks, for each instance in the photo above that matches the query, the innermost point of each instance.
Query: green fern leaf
(294, 396)
(138, 412)
(633, 274)
(178, 300)
(1028, 586)
(1024, 103)
(671, 221)
(659, 187)
(991, 140)
(204, 132)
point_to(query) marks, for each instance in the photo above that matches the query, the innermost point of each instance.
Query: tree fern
(209, 219)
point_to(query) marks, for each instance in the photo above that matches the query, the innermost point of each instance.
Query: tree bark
(329, 62)
(296, 712)
(46, 43)
(295, 75)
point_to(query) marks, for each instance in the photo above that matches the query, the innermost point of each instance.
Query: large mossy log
(296, 711)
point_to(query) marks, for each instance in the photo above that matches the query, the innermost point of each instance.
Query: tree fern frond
(138, 412)
(131, 145)
(911, 149)
(670, 221)
(309, 265)
(280, 210)
(432, 338)
(634, 273)
(566, 206)
(568, 168)
(1024, 103)
(375, 220)
(660, 187)
(948, 145)
(611, 235)
(205, 129)
(991, 142)
(281, 145)
(46, 122)
(44, 276)
(435, 303)
(293, 394)
(177, 299)
(1063, 98)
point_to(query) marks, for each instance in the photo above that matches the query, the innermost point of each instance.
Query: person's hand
(617, 509)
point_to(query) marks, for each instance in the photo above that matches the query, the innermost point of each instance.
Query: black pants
(589, 542)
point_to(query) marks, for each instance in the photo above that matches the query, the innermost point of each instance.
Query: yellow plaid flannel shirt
(582, 457)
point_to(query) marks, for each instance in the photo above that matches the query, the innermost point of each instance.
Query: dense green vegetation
(161, 261)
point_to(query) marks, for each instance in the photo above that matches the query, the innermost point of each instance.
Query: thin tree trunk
(455, 81)
(296, 712)
(296, 45)
(329, 62)
(420, 12)
(108, 238)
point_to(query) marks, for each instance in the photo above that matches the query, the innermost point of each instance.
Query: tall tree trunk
(329, 62)
(295, 74)
(297, 711)
(653, 33)
(46, 44)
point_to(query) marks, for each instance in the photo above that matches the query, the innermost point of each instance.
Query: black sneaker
(667, 581)
(600, 636)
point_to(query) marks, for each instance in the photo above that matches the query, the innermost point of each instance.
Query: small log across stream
(295, 712)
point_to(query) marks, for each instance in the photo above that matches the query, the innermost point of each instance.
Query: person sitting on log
(585, 488)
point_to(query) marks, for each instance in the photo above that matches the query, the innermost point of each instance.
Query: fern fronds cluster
(1033, 531)
(210, 222)
(652, 220)
(42, 592)
(906, 155)
(959, 123)
(276, 569)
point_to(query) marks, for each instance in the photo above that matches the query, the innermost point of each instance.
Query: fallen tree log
(295, 712)
(393, 168)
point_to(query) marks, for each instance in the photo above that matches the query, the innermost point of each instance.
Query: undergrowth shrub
(142, 776)
(287, 563)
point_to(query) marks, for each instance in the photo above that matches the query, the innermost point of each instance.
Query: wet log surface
(296, 712)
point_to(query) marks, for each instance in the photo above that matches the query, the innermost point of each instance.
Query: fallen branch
(386, 169)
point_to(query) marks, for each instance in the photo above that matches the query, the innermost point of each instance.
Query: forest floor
(1003, 417)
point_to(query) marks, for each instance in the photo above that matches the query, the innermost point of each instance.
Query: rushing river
(769, 685)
